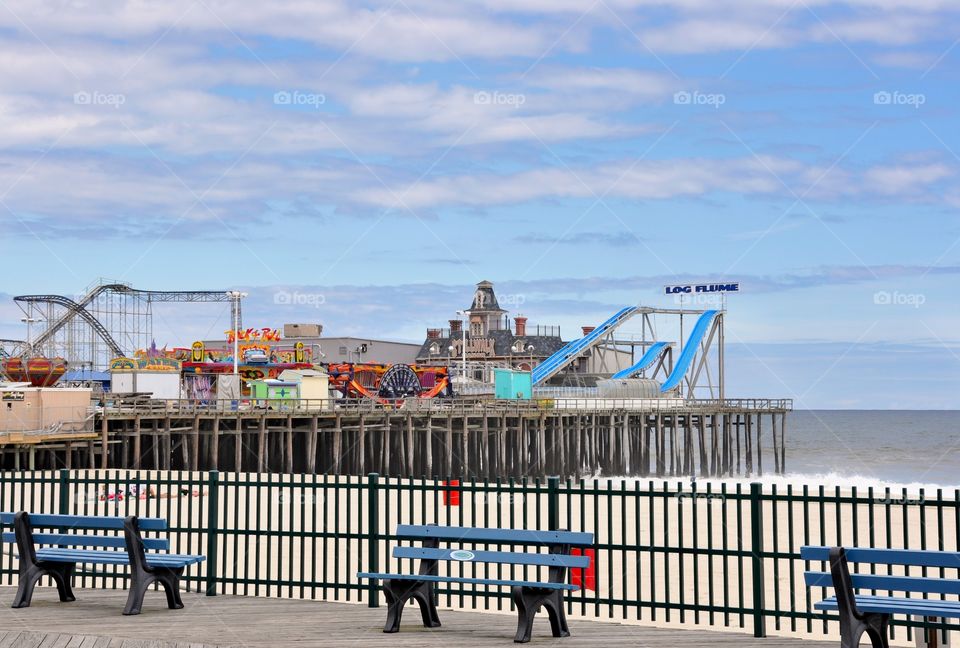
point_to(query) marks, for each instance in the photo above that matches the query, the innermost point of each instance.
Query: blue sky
(382, 157)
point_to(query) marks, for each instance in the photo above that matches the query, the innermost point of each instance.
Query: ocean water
(883, 448)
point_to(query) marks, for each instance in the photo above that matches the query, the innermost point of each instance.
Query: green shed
(514, 385)
(273, 393)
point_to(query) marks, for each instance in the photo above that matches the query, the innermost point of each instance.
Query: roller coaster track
(79, 309)
(73, 310)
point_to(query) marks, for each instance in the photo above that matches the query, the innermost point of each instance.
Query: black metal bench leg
(28, 581)
(170, 579)
(876, 629)
(139, 583)
(875, 626)
(398, 592)
(527, 605)
(62, 574)
(558, 618)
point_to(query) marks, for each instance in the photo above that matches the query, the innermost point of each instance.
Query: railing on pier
(458, 405)
(715, 554)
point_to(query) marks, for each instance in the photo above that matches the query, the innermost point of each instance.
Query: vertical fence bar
(213, 488)
(373, 535)
(553, 503)
(64, 493)
(756, 550)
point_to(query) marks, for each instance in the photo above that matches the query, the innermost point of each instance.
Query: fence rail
(548, 398)
(725, 554)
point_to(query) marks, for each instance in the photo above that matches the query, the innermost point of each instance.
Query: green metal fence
(719, 555)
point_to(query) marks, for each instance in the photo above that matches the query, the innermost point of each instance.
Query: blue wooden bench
(528, 595)
(870, 613)
(59, 556)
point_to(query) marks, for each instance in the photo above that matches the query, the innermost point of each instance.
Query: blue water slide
(572, 350)
(689, 350)
(648, 359)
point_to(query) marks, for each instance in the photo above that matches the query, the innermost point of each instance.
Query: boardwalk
(94, 620)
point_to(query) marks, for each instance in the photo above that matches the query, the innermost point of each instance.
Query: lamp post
(236, 296)
(28, 321)
(463, 328)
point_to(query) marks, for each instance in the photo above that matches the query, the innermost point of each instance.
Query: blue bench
(870, 613)
(528, 595)
(58, 556)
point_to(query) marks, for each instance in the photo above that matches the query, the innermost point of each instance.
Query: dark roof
(485, 299)
(543, 345)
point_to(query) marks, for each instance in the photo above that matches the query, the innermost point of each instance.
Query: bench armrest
(842, 583)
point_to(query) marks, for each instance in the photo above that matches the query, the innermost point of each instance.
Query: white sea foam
(829, 481)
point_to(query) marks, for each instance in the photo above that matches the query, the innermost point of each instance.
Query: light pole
(28, 321)
(236, 296)
(463, 328)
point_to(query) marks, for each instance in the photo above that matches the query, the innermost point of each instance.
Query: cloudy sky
(363, 164)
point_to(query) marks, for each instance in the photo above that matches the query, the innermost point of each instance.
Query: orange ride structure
(38, 371)
(389, 383)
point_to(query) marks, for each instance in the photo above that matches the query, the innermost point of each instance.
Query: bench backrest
(898, 557)
(481, 535)
(62, 525)
(432, 535)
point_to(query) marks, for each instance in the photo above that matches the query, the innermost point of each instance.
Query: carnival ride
(39, 372)
(110, 320)
(657, 351)
(682, 379)
(386, 383)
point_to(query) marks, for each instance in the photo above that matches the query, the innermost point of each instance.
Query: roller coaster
(111, 319)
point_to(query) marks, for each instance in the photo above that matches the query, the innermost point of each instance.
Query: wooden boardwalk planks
(94, 621)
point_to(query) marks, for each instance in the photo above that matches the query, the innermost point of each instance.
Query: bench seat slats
(86, 522)
(896, 605)
(905, 557)
(494, 536)
(496, 557)
(115, 557)
(919, 584)
(81, 540)
(471, 581)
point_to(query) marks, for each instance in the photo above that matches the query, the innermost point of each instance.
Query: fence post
(373, 536)
(64, 493)
(756, 551)
(213, 530)
(553, 503)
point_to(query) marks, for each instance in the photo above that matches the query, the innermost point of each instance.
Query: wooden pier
(435, 439)
(94, 621)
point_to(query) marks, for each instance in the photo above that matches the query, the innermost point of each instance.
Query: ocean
(883, 448)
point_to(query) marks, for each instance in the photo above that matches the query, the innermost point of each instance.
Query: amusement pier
(487, 396)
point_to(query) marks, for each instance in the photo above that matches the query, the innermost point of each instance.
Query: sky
(364, 164)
